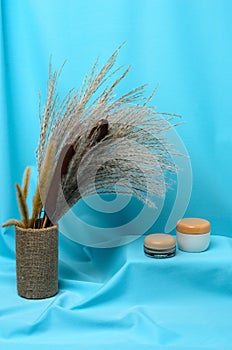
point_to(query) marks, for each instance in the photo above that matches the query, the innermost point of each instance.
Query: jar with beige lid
(159, 245)
(193, 234)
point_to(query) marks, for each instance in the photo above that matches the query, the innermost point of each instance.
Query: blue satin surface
(119, 298)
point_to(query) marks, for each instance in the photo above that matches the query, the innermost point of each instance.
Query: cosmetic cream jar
(159, 245)
(193, 234)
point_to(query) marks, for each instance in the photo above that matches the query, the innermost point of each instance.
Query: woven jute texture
(37, 262)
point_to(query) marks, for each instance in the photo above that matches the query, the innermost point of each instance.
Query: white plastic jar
(193, 234)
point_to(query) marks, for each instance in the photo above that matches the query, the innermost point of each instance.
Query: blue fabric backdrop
(185, 46)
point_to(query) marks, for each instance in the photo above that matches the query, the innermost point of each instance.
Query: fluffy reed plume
(14, 222)
(26, 181)
(37, 207)
(22, 206)
(92, 141)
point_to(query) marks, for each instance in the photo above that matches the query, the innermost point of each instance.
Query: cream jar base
(193, 243)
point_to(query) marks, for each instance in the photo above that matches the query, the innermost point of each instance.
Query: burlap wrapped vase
(37, 262)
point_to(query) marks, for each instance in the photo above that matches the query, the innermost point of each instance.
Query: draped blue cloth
(118, 297)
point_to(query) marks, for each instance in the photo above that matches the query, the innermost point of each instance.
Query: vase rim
(36, 229)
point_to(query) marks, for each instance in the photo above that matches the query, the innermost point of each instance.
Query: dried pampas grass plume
(79, 132)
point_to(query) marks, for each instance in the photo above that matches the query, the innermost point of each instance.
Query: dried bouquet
(93, 129)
